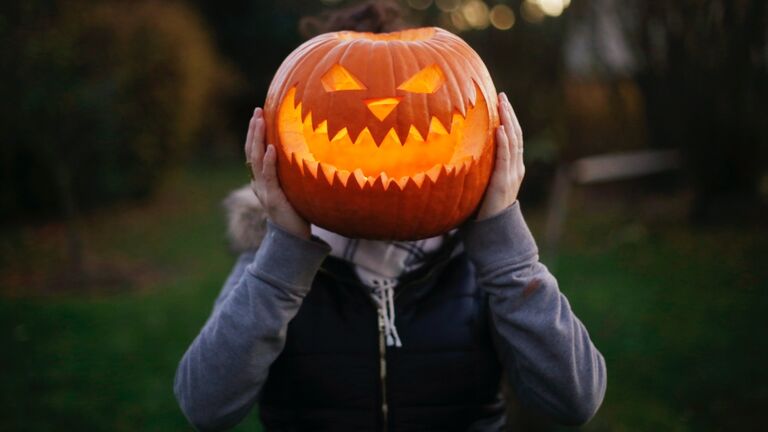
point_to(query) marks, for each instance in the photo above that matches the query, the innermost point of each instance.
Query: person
(337, 334)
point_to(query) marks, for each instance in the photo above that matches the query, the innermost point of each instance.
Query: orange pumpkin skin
(383, 136)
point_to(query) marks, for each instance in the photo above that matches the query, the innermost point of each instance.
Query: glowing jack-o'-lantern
(383, 136)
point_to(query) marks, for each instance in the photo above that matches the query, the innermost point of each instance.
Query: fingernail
(257, 112)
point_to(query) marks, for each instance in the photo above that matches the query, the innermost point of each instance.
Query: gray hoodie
(544, 348)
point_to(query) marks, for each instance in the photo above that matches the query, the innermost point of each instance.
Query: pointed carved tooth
(392, 135)
(308, 121)
(390, 142)
(419, 179)
(472, 94)
(310, 166)
(436, 127)
(343, 176)
(402, 134)
(455, 169)
(403, 181)
(364, 137)
(356, 132)
(461, 109)
(360, 177)
(296, 161)
(421, 124)
(322, 127)
(466, 164)
(339, 135)
(434, 172)
(384, 180)
(377, 183)
(303, 110)
(329, 171)
(336, 125)
(414, 134)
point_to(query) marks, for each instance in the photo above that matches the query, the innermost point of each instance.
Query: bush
(105, 97)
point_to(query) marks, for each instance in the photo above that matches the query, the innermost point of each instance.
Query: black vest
(331, 376)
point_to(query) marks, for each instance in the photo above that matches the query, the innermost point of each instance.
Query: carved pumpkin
(383, 136)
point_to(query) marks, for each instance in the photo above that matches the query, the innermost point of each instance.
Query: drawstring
(379, 265)
(383, 295)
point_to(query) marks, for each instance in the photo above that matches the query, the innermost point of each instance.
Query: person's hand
(263, 160)
(509, 170)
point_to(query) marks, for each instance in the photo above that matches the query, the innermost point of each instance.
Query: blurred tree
(706, 86)
(103, 97)
(99, 99)
(256, 36)
(604, 104)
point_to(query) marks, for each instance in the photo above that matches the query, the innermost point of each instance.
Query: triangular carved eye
(337, 79)
(427, 80)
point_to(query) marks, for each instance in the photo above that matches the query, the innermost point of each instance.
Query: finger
(273, 194)
(519, 145)
(257, 147)
(518, 130)
(269, 169)
(503, 155)
(506, 115)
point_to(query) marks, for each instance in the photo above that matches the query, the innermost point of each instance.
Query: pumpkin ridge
(466, 93)
(455, 94)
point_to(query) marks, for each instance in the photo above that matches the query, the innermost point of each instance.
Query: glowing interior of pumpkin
(452, 146)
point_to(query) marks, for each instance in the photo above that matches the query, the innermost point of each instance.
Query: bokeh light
(531, 11)
(420, 4)
(476, 14)
(552, 8)
(502, 17)
(458, 21)
(448, 5)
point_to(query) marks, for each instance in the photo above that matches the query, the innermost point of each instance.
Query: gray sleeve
(220, 377)
(551, 361)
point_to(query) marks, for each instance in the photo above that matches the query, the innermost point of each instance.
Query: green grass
(678, 312)
(106, 362)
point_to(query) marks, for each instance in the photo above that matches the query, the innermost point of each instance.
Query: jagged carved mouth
(445, 148)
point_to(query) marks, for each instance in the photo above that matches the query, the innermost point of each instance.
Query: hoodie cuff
(288, 261)
(504, 237)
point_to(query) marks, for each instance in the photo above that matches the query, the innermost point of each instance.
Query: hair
(374, 16)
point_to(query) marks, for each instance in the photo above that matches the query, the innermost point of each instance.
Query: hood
(246, 219)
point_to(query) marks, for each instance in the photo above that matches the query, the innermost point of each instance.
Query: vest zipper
(383, 370)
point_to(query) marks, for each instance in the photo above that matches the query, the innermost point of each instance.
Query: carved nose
(382, 107)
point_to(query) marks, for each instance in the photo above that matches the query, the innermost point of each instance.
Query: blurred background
(646, 129)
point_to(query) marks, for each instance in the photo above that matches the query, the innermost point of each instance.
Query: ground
(678, 312)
